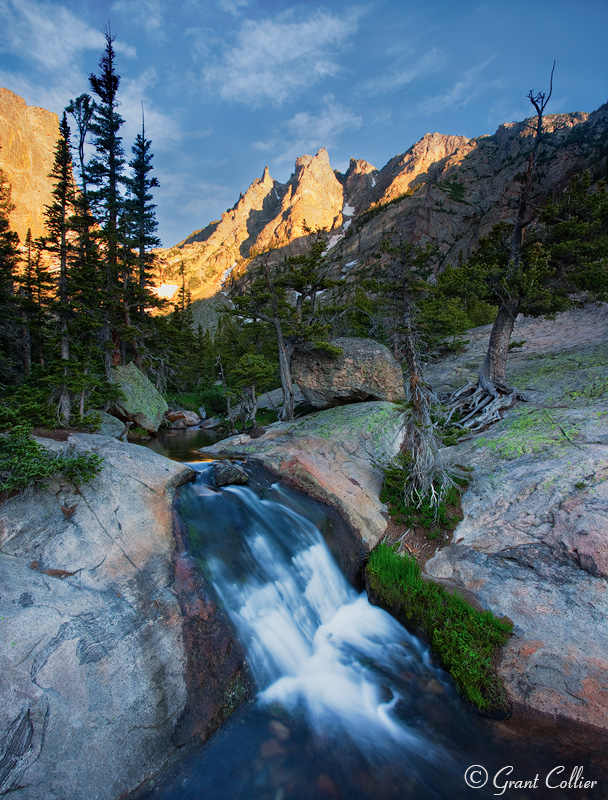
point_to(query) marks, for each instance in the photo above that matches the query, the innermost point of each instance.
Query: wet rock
(365, 370)
(225, 473)
(334, 456)
(278, 730)
(189, 418)
(178, 425)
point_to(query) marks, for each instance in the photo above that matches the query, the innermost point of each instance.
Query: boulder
(109, 425)
(334, 456)
(141, 402)
(178, 425)
(274, 399)
(366, 370)
(225, 473)
(115, 656)
(190, 418)
(211, 422)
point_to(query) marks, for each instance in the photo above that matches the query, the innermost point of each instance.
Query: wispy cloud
(161, 128)
(52, 39)
(461, 93)
(306, 132)
(401, 75)
(145, 13)
(52, 36)
(234, 6)
(275, 59)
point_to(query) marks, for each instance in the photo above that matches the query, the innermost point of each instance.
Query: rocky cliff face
(447, 190)
(27, 142)
(269, 215)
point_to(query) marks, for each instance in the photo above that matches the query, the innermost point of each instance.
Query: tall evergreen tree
(105, 173)
(9, 258)
(141, 211)
(59, 243)
(82, 109)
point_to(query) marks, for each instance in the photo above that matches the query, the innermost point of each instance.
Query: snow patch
(337, 237)
(373, 181)
(226, 274)
(348, 211)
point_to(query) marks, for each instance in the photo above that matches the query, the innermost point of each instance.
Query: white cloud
(234, 6)
(273, 60)
(49, 34)
(52, 40)
(461, 93)
(306, 132)
(401, 76)
(161, 128)
(146, 13)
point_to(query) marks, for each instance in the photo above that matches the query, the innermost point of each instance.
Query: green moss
(570, 376)
(531, 432)
(463, 638)
(234, 695)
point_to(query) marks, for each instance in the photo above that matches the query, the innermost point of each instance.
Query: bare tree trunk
(285, 354)
(229, 410)
(482, 405)
(492, 377)
(254, 404)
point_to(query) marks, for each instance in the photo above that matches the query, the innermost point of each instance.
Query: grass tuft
(463, 638)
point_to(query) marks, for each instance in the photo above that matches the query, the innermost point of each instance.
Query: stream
(348, 703)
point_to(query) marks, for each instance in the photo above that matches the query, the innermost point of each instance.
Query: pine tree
(58, 215)
(575, 234)
(287, 303)
(143, 217)
(9, 311)
(105, 172)
(82, 109)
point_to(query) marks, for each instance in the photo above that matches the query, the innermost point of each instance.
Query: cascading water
(349, 704)
(313, 643)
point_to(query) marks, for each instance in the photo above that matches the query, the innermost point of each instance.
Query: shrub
(23, 462)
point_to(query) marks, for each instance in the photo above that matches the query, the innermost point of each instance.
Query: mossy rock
(141, 403)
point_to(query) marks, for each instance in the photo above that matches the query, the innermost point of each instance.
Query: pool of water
(183, 445)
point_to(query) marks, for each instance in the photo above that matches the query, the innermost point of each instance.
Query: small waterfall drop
(317, 649)
(349, 705)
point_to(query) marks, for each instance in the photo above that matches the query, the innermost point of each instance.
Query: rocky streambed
(116, 656)
(533, 544)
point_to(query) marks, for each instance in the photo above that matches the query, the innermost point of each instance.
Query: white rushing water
(313, 643)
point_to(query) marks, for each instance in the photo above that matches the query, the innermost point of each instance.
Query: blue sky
(232, 85)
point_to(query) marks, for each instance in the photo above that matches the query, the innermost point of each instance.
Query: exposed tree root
(478, 407)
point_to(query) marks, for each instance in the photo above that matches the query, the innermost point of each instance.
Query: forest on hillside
(80, 301)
